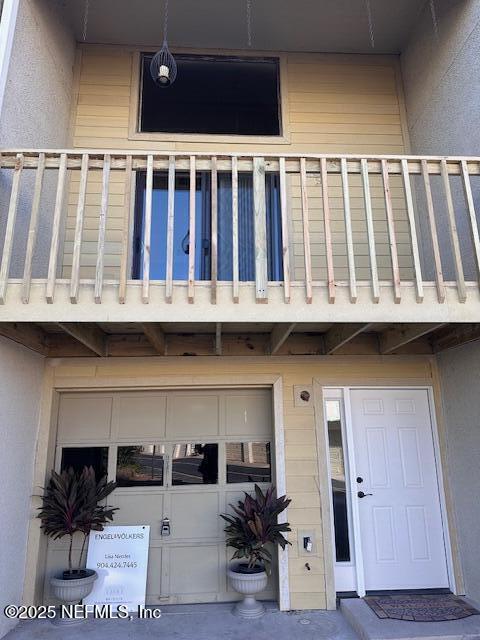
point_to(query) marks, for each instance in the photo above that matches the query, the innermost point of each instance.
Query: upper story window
(213, 95)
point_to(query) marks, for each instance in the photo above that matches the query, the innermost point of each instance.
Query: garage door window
(195, 464)
(141, 465)
(79, 457)
(248, 462)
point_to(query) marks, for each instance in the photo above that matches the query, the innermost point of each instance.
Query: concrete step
(369, 627)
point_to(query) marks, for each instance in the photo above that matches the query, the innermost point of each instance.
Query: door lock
(165, 530)
(361, 494)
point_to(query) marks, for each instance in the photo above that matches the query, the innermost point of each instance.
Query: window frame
(134, 132)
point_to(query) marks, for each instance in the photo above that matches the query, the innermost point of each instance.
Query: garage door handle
(360, 494)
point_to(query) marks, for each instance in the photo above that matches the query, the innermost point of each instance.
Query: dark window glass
(195, 464)
(213, 95)
(80, 457)
(339, 486)
(140, 465)
(248, 462)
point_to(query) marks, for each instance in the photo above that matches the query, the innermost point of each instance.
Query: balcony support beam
(279, 335)
(454, 336)
(28, 335)
(155, 335)
(87, 334)
(392, 339)
(341, 334)
(218, 339)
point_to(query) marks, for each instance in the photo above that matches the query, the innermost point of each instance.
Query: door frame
(45, 454)
(342, 393)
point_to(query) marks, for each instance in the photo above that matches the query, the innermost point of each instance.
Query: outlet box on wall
(301, 535)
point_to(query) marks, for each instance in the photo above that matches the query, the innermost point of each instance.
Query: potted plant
(252, 531)
(71, 505)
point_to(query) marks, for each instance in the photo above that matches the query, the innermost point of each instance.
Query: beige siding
(308, 588)
(332, 104)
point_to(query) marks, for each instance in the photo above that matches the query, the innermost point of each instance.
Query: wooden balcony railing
(67, 217)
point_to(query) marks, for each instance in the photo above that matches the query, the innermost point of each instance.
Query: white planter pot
(72, 592)
(248, 584)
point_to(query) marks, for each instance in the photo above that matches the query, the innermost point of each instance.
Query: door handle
(360, 494)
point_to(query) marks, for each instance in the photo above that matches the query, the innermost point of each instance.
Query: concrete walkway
(197, 622)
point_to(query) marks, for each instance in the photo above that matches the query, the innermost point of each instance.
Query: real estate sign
(120, 557)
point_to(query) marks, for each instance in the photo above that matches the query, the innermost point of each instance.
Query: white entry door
(400, 517)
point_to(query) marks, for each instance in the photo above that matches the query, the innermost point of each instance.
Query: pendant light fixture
(163, 67)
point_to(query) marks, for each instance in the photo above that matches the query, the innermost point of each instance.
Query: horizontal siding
(302, 471)
(335, 104)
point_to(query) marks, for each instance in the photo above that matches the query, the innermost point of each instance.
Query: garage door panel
(140, 416)
(189, 565)
(195, 515)
(84, 418)
(137, 509)
(248, 415)
(192, 415)
(196, 570)
(154, 573)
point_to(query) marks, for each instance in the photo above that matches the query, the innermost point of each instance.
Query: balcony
(370, 239)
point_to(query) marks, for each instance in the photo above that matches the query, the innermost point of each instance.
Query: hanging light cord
(249, 22)
(85, 19)
(433, 11)
(165, 22)
(370, 23)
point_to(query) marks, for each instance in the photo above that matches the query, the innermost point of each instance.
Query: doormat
(421, 608)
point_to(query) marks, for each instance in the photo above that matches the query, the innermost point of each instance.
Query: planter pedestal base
(248, 584)
(249, 607)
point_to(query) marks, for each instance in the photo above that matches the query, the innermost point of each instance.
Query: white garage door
(180, 456)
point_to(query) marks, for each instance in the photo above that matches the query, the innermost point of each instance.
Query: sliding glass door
(181, 236)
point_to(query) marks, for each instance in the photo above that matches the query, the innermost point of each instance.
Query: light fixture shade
(163, 67)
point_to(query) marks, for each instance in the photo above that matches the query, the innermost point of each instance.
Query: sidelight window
(339, 480)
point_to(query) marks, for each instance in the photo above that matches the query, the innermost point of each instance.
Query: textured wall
(21, 373)
(442, 92)
(38, 95)
(36, 112)
(461, 404)
(441, 88)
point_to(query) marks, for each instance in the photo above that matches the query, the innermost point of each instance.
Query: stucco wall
(442, 93)
(36, 111)
(21, 373)
(461, 404)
